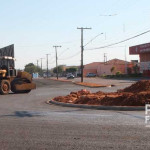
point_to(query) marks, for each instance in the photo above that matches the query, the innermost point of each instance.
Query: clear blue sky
(34, 26)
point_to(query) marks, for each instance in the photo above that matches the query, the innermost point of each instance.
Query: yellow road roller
(10, 79)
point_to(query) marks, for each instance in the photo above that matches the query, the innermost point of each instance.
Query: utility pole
(41, 62)
(47, 63)
(37, 63)
(125, 60)
(56, 60)
(82, 49)
(41, 67)
(105, 58)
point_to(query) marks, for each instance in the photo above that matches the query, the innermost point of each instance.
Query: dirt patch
(89, 84)
(138, 94)
(62, 80)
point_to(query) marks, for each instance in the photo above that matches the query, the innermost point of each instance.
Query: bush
(103, 76)
(136, 75)
(118, 73)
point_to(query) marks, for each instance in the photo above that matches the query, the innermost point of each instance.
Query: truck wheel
(4, 87)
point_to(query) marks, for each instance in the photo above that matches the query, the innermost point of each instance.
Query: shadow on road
(22, 114)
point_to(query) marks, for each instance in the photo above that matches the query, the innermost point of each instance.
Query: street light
(93, 39)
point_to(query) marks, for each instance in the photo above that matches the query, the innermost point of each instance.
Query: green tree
(71, 70)
(112, 69)
(136, 69)
(31, 68)
(60, 69)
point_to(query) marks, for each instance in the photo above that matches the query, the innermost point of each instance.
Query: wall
(91, 68)
(106, 69)
(144, 57)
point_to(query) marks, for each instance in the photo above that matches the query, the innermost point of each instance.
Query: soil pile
(136, 95)
(139, 86)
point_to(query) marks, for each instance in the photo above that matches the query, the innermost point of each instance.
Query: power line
(71, 56)
(120, 41)
(46, 44)
(109, 15)
(63, 52)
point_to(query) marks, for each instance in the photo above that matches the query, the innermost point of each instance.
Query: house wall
(100, 68)
(105, 69)
(91, 68)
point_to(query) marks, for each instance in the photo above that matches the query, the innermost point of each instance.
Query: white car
(91, 75)
(70, 76)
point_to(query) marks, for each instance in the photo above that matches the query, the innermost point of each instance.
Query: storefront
(143, 51)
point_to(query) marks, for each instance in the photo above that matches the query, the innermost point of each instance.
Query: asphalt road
(28, 123)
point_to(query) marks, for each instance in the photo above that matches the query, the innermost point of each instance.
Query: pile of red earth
(138, 94)
(139, 86)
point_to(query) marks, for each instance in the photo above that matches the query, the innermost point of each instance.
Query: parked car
(70, 76)
(91, 75)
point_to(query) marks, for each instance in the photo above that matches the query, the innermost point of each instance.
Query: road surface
(28, 123)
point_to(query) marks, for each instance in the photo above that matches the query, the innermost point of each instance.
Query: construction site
(75, 75)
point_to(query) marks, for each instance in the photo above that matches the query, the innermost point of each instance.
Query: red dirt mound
(136, 95)
(139, 86)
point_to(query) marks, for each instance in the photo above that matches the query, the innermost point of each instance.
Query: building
(101, 68)
(91, 68)
(143, 51)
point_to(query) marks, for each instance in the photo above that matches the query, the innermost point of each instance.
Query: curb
(60, 80)
(101, 86)
(121, 108)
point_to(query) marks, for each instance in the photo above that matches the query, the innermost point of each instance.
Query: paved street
(28, 123)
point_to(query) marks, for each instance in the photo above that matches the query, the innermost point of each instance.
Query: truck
(10, 78)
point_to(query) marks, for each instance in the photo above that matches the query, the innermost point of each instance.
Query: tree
(129, 70)
(136, 69)
(71, 70)
(31, 68)
(60, 69)
(112, 69)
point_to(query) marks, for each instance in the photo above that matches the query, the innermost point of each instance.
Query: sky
(35, 26)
